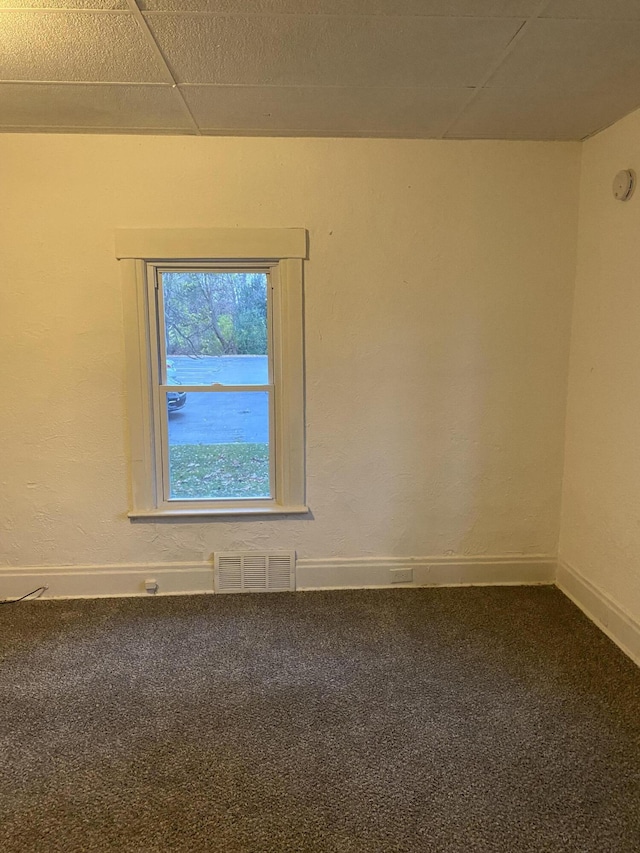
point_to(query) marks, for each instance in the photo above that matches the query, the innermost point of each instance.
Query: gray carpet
(487, 719)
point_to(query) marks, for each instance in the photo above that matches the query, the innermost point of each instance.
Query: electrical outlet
(401, 575)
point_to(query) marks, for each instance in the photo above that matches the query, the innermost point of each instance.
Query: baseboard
(192, 578)
(107, 581)
(606, 613)
(373, 572)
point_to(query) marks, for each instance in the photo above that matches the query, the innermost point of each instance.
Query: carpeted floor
(440, 720)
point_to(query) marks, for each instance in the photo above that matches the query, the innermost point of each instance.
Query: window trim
(283, 251)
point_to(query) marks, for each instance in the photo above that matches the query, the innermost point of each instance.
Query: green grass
(219, 471)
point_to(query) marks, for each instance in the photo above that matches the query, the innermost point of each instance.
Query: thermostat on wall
(624, 184)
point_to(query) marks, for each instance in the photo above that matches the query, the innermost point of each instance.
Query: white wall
(438, 298)
(600, 537)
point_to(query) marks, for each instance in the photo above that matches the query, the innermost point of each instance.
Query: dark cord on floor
(22, 598)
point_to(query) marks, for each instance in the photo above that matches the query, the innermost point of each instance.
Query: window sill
(217, 512)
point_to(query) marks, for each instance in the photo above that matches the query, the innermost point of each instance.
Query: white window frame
(278, 251)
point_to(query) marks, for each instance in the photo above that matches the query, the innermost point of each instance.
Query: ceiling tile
(517, 114)
(79, 105)
(350, 111)
(74, 46)
(451, 8)
(611, 10)
(63, 4)
(560, 57)
(318, 50)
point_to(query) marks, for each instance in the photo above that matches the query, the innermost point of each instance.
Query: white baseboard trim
(106, 581)
(351, 573)
(375, 572)
(606, 613)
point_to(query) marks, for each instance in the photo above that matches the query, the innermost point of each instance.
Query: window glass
(219, 446)
(215, 326)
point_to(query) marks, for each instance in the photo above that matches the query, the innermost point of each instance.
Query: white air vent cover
(249, 571)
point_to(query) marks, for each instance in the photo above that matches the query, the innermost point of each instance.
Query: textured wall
(438, 300)
(601, 504)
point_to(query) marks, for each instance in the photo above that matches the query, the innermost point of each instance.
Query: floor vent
(248, 571)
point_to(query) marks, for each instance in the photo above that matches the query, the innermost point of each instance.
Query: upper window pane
(216, 326)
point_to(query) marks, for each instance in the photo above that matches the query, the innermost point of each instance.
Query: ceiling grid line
(127, 84)
(207, 13)
(63, 10)
(518, 35)
(162, 62)
(87, 128)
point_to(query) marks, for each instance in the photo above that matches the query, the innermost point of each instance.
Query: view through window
(215, 383)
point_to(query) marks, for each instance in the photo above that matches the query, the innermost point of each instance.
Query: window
(213, 324)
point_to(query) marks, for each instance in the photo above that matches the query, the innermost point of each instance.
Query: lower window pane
(218, 445)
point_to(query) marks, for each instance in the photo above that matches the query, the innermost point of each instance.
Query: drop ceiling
(455, 69)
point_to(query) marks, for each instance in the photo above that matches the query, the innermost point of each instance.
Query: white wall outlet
(151, 586)
(401, 575)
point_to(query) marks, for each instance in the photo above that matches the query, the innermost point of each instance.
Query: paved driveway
(224, 418)
(228, 369)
